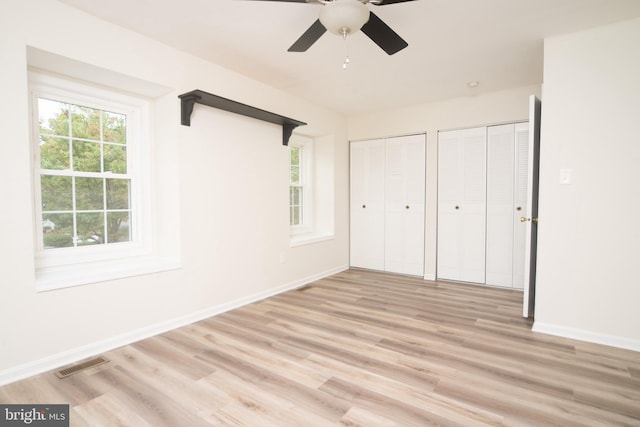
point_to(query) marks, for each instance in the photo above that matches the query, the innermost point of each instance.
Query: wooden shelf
(189, 99)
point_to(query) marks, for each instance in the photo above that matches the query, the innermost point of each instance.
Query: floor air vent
(74, 369)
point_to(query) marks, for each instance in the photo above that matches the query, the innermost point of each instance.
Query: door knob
(364, 206)
(406, 207)
(457, 207)
(523, 219)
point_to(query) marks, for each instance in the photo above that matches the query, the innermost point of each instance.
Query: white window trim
(65, 267)
(307, 233)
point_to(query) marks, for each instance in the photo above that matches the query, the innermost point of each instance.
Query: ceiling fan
(344, 17)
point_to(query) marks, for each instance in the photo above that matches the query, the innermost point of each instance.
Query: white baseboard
(57, 360)
(588, 336)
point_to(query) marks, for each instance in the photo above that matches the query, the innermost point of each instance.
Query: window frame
(305, 146)
(137, 110)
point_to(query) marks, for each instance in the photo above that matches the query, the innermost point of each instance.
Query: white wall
(221, 185)
(473, 110)
(587, 283)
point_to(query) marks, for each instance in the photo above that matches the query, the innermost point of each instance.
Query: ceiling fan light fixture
(342, 17)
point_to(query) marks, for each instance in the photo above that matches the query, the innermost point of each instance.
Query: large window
(90, 160)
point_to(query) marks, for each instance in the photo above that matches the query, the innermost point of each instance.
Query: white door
(404, 205)
(521, 204)
(530, 219)
(367, 204)
(462, 205)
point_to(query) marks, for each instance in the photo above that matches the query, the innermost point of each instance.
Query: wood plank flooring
(359, 348)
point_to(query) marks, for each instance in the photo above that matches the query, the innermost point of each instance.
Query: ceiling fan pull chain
(345, 64)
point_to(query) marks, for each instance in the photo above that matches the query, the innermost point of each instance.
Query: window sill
(51, 278)
(307, 239)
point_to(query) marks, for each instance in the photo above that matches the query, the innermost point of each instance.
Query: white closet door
(448, 265)
(473, 204)
(404, 205)
(521, 193)
(500, 197)
(462, 204)
(367, 204)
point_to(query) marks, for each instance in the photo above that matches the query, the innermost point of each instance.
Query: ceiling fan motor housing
(343, 17)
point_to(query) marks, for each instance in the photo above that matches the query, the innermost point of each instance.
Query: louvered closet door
(449, 239)
(367, 204)
(462, 205)
(500, 205)
(404, 205)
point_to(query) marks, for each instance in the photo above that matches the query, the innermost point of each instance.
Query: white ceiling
(451, 42)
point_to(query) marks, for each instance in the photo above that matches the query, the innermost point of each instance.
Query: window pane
(85, 122)
(295, 155)
(294, 177)
(295, 216)
(114, 127)
(295, 196)
(53, 117)
(89, 194)
(57, 230)
(56, 193)
(294, 165)
(54, 153)
(90, 228)
(86, 156)
(115, 158)
(295, 205)
(117, 193)
(118, 229)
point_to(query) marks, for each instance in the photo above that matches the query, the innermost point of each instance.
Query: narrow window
(296, 187)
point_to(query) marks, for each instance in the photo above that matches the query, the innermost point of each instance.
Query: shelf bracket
(189, 99)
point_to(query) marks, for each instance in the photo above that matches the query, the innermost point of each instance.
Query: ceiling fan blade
(299, 1)
(385, 2)
(309, 37)
(383, 35)
(293, 1)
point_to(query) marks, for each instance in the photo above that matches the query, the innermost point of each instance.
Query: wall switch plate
(565, 176)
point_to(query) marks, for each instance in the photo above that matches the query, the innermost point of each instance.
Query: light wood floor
(356, 349)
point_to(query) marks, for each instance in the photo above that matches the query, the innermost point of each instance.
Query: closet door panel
(461, 204)
(448, 243)
(500, 194)
(414, 209)
(367, 204)
(405, 194)
(394, 250)
(473, 204)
